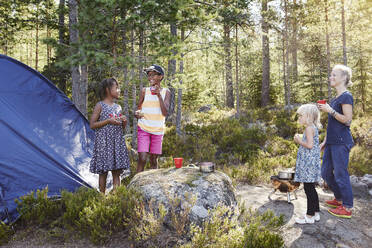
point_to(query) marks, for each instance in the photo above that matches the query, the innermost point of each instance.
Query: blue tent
(44, 139)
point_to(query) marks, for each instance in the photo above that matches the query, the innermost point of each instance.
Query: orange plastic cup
(178, 162)
(322, 101)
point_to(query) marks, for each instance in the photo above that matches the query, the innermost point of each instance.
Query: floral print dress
(308, 161)
(110, 151)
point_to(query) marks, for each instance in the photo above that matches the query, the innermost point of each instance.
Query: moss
(191, 178)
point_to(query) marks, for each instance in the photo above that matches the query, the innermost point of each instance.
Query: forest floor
(330, 231)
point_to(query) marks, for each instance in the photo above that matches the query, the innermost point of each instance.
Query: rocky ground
(330, 231)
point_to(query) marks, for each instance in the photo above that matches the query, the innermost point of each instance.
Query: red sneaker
(333, 203)
(340, 211)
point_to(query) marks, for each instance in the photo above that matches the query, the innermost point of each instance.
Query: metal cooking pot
(286, 175)
(206, 166)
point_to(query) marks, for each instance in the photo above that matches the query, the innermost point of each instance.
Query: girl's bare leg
(154, 161)
(142, 157)
(102, 182)
(116, 178)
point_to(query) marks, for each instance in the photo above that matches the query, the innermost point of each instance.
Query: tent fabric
(44, 138)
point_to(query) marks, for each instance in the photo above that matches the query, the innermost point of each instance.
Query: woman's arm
(347, 115)
(344, 118)
(309, 143)
(322, 145)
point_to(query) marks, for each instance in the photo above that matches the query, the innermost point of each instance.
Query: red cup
(178, 162)
(152, 90)
(322, 101)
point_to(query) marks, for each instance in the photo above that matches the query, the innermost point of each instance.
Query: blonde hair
(311, 113)
(346, 71)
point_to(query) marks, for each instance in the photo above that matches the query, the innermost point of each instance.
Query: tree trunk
(223, 86)
(74, 39)
(328, 52)
(5, 48)
(48, 46)
(31, 50)
(343, 33)
(294, 49)
(228, 67)
(286, 74)
(237, 73)
(27, 57)
(61, 38)
(140, 54)
(320, 79)
(83, 92)
(363, 78)
(171, 74)
(265, 88)
(179, 98)
(61, 22)
(37, 38)
(47, 32)
(125, 72)
(134, 93)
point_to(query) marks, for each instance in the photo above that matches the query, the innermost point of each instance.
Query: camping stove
(284, 186)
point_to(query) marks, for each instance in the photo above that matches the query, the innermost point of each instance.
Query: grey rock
(340, 245)
(368, 232)
(367, 179)
(198, 212)
(330, 224)
(307, 241)
(205, 108)
(310, 229)
(360, 189)
(370, 192)
(196, 192)
(353, 179)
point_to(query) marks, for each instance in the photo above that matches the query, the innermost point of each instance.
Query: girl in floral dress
(110, 151)
(308, 160)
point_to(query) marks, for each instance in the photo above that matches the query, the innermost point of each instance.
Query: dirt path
(330, 231)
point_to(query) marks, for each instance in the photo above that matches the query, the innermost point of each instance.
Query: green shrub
(361, 154)
(5, 233)
(280, 153)
(361, 129)
(285, 123)
(75, 202)
(147, 222)
(37, 208)
(226, 141)
(260, 230)
(196, 144)
(105, 215)
(360, 162)
(180, 214)
(218, 231)
(225, 229)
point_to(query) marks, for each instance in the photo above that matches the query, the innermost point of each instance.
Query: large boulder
(361, 186)
(197, 192)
